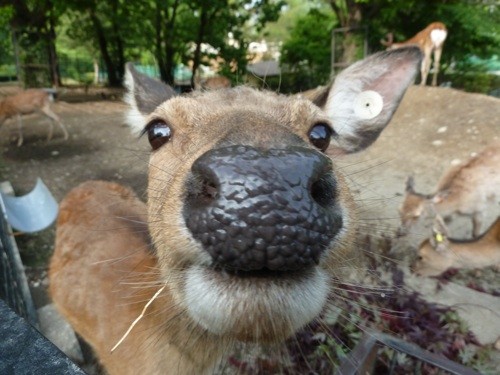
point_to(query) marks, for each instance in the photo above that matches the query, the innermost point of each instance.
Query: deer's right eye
(159, 133)
(320, 136)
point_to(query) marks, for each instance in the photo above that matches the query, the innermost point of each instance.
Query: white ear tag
(368, 104)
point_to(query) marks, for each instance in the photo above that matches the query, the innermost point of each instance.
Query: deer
(430, 40)
(247, 226)
(215, 83)
(468, 189)
(440, 252)
(27, 102)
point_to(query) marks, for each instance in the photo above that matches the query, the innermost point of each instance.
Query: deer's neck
(482, 253)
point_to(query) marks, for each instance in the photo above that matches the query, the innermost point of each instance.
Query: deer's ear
(364, 96)
(144, 94)
(410, 185)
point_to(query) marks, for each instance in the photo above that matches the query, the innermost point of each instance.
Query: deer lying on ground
(440, 253)
(248, 223)
(430, 40)
(27, 102)
(468, 189)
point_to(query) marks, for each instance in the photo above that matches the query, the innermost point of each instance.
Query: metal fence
(14, 289)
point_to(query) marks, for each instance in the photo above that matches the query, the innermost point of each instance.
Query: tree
(169, 30)
(473, 27)
(172, 31)
(33, 30)
(473, 24)
(307, 51)
(221, 24)
(6, 48)
(116, 27)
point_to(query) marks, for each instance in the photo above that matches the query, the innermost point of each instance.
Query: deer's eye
(320, 136)
(159, 133)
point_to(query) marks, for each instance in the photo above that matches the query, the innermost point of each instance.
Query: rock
(56, 329)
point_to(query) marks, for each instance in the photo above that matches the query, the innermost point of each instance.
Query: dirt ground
(433, 128)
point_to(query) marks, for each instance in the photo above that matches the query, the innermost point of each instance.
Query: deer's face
(250, 220)
(411, 209)
(254, 209)
(433, 259)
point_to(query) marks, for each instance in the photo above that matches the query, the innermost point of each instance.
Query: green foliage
(471, 74)
(279, 30)
(232, 24)
(164, 32)
(6, 49)
(480, 82)
(474, 29)
(307, 51)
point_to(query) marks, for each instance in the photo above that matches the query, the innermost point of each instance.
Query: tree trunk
(199, 41)
(118, 41)
(113, 79)
(348, 13)
(15, 43)
(169, 45)
(55, 75)
(158, 42)
(96, 72)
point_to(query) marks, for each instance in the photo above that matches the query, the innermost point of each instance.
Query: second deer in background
(430, 39)
(468, 189)
(27, 102)
(440, 253)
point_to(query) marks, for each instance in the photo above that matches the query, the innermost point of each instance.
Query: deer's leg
(20, 130)
(426, 65)
(437, 58)
(48, 112)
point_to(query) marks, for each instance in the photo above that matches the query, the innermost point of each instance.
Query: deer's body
(248, 223)
(103, 244)
(430, 40)
(28, 102)
(436, 257)
(215, 83)
(469, 189)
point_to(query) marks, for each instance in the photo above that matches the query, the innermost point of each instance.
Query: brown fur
(215, 83)
(469, 189)
(424, 41)
(27, 102)
(105, 268)
(435, 258)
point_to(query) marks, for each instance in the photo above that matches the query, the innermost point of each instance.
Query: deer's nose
(255, 209)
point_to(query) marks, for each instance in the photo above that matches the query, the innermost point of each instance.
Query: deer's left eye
(320, 136)
(159, 133)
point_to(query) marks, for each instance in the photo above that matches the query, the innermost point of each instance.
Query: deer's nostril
(209, 191)
(203, 186)
(323, 190)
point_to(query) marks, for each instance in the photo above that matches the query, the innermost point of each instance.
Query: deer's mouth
(265, 274)
(258, 305)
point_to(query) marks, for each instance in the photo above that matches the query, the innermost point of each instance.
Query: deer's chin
(254, 307)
